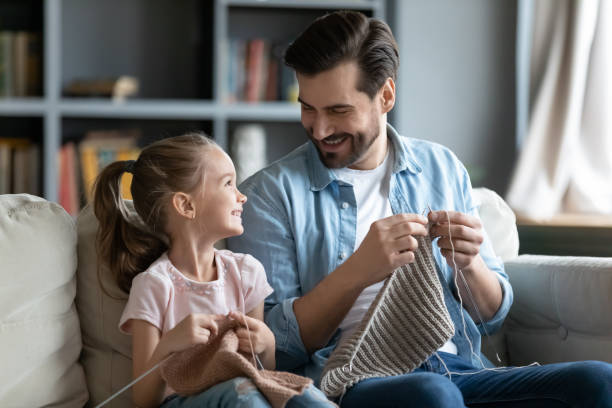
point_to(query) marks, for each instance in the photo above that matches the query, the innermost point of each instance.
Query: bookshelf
(177, 49)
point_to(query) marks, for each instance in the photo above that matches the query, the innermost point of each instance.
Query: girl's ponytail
(128, 243)
(123, 242)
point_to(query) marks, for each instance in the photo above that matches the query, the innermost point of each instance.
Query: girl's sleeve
(149, 297)
(254, 283)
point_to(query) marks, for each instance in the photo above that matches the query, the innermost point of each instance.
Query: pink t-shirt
(163, 296)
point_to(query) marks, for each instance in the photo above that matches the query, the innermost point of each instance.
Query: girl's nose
(241, 197)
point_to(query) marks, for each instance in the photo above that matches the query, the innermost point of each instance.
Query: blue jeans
(241, 392)
(579, 384)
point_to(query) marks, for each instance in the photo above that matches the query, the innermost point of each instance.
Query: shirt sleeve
(269, 238)
(254, 283)
(493, 262)
(148, 301)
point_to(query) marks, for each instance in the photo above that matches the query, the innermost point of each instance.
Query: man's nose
(321, 128)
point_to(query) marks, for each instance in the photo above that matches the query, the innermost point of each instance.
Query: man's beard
(360, 144)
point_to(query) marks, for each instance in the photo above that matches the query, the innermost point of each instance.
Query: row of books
(80, 163)
(255, 72)
(19, 166)
(20, 64)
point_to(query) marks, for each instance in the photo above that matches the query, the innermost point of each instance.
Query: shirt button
(342, 255)
(345, 205)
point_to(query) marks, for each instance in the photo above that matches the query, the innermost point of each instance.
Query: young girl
(184, 193)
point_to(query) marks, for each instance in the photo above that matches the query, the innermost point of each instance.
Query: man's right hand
(389, 244)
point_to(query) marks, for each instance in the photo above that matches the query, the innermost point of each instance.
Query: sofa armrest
(562, 309)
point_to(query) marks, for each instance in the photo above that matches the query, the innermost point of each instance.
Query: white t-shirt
(371, 189)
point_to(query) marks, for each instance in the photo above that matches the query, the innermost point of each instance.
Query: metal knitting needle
(140, 377)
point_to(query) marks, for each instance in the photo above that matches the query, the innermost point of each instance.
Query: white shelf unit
(75, 34)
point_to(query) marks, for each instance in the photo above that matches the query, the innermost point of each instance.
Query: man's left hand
(458, 231)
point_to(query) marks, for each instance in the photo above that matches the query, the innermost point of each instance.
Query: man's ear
(387, 95)
(184, 205)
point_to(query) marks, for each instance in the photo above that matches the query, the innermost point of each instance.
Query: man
(333, 219)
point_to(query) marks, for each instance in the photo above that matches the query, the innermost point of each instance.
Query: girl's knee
(237, 392)
(311, 397)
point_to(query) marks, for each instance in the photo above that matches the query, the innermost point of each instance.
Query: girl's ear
(184, 205)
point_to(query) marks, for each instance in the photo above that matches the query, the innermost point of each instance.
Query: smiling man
(334, 218)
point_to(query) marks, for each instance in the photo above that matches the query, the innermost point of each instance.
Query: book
(20, 68)
(19, 164)
(5, 168)
(33, 64)
(6, 64)
(117, 88)
(68, 194)
(100, 148)
(254, 66)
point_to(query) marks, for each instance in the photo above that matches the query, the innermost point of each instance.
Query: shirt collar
(321, 176)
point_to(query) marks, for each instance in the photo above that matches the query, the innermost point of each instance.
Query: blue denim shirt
(298, 224)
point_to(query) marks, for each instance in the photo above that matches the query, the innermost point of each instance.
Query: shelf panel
(138, 109)
(314, 4)
(270, 111)
(179, 109)
(22, 106)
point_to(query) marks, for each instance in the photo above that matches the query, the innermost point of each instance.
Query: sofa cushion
(106, 351)
(499, 223)
(39, 326)
(561, 309)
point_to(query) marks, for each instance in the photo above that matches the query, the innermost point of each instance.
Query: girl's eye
(229, 183)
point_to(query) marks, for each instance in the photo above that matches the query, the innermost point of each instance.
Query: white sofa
(50, 355)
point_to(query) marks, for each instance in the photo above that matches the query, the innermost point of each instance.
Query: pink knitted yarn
(200, 367)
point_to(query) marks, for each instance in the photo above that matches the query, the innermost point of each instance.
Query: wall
(456, 80)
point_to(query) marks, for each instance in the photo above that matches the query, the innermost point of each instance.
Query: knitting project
(200, 367)
(405, 324)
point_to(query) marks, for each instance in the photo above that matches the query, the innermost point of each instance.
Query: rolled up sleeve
(268, 237)
(496, 265)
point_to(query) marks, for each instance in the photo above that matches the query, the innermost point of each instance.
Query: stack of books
(80, 163)
(20, 64)
(255, 72)
(19, 166)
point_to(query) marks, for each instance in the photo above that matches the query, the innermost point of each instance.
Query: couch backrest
(39, 328)
(107, 353)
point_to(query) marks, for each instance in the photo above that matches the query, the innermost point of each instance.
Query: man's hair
(344, 36)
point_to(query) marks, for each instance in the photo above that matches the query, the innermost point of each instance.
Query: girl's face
(219, 203)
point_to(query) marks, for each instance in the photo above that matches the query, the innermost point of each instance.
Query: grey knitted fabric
(405, 324)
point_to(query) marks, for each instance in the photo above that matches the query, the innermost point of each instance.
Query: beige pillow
(39, 328)
(107, 353)
(499, 222)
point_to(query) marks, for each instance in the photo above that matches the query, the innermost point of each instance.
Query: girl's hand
(261, 337)
(193, 329)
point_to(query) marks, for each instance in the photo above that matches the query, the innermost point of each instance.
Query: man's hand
(389, 244)
(460, 232)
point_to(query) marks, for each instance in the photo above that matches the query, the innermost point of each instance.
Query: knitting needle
(140, 377)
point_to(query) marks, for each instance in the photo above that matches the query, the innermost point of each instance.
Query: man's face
(342, 122)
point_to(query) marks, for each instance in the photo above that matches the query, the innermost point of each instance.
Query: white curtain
(565, 161)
